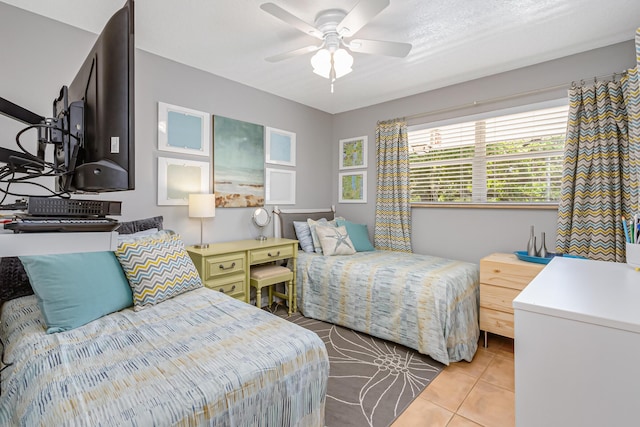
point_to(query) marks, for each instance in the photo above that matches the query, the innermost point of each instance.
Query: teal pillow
(75, 289)
(359, 235)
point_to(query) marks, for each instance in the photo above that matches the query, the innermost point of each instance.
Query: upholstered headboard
(284, 219)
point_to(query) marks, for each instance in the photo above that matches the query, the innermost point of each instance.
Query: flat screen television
(92, 128)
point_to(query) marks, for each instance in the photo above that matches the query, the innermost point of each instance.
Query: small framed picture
(183, 130)
(352, 187)
(280, 147)
(177, 178)
(280, 187)
(353, 153)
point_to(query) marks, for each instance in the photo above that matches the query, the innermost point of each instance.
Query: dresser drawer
(509, 272)
(233, 285)
(219, 265)
(497, 322)
(497, 297)
(273, 253)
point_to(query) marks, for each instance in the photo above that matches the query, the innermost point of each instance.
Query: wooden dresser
(226, 266)
(502, 278)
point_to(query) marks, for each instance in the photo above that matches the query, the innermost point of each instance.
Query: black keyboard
(38, 225)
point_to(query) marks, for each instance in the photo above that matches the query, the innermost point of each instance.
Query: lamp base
(201, 246)
(261, 238)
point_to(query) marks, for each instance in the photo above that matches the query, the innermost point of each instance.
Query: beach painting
(238, 163)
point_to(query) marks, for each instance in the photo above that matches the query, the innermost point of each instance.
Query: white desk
(577, 345)
(12, 244)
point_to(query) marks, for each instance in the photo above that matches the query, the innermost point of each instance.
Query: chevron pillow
(157, 267)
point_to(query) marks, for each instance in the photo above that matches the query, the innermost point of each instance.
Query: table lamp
(202, 206)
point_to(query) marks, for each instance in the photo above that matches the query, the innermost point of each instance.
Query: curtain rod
(509, 97)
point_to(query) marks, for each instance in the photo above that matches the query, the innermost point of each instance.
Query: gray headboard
(286, 219)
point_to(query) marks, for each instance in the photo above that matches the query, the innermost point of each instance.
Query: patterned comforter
(201, 358)
(426, 303)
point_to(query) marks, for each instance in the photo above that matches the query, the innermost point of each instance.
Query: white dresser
(577, 346)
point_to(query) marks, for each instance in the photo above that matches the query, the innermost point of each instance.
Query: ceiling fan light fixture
(321, 63)
(324, 62)
(342, 62)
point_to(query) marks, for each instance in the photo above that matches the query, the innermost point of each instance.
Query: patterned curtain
(393, 210)
(601, 167)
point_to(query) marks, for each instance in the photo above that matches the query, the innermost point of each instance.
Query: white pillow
(314, 235)
(335, 240)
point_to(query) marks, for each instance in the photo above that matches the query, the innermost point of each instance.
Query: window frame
(478, 161)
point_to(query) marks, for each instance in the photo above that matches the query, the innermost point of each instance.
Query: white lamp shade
(321, 63)
(342, 62)
(202, 205)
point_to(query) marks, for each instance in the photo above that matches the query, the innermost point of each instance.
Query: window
(506, 159)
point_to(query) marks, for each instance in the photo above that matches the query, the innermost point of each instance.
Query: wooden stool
(268, 275)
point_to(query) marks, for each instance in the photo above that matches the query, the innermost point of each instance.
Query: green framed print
(352, 187)
(353, 152)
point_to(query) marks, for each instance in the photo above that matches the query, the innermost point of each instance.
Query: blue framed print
(280, 147)
(183, 130)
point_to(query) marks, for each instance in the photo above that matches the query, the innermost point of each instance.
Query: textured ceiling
(453, 40)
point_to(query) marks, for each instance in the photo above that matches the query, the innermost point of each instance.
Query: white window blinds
(515, 158)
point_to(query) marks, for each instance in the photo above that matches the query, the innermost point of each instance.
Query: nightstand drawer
(231, 285)
(497, 322)
(216, 266)
(497, 297)
(273, 253)
(509, 272)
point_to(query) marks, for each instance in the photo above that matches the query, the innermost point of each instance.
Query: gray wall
(32, 76)
(463, 233)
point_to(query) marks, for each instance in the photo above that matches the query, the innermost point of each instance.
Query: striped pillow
(158, 268)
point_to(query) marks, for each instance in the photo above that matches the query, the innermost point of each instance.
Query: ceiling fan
(335, 27)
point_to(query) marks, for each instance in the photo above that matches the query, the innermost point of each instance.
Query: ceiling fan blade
(377, 47)
(290, 19)
(292, 53)
(360, 15)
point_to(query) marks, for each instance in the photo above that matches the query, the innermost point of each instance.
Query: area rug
(371, 381)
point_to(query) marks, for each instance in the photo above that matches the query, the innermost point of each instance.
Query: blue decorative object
(522, 255)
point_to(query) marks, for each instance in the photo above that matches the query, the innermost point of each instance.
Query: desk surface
(240, 245)
(598, 292)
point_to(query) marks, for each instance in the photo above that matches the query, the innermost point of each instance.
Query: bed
(197, 358)
(426, 303)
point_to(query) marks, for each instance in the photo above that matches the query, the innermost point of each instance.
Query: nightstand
(225, 267)
(502, 278)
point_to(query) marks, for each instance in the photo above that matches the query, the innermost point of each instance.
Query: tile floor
(480, 393)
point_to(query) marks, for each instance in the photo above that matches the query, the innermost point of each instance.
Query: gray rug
(371, 381)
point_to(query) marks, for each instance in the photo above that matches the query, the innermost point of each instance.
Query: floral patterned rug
(371, 381)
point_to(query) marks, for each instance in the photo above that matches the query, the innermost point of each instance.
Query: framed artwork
(353, 152)
(352, 187)
(280, 187)
(280, 147)
(183, 130)
(177, 178)
(238, 163)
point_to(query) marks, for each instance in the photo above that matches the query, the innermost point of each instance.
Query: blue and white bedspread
(426, 303)
(201, 358)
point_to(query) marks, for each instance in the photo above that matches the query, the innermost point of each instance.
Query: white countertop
(602, 293)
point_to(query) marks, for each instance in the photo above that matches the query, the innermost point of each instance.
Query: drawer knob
(277, 254)
(222, 267)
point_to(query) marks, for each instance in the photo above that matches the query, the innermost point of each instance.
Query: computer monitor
(92, 128)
